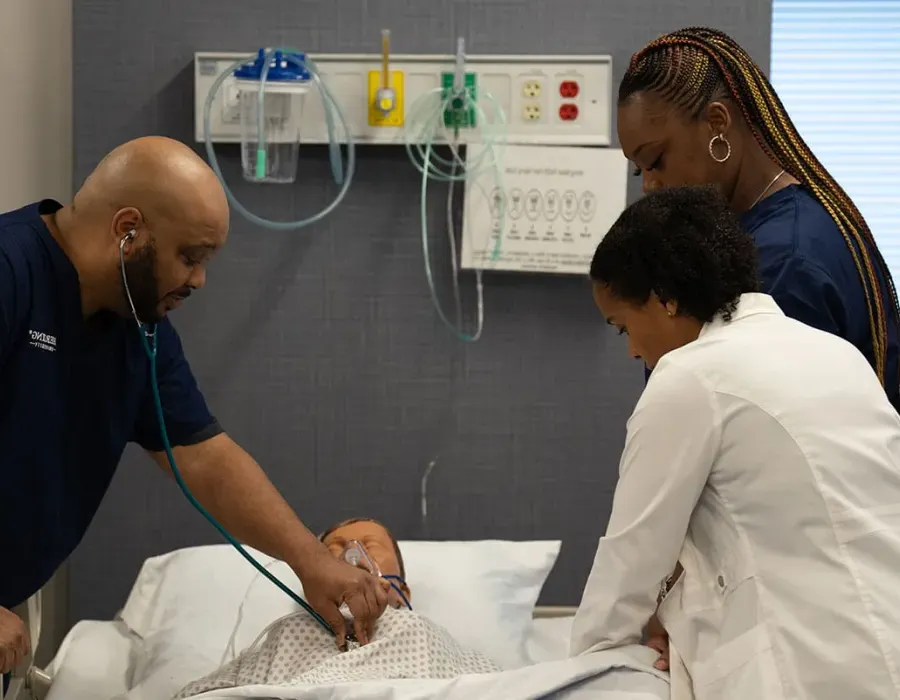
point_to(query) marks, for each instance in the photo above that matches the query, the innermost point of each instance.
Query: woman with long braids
(694, 108)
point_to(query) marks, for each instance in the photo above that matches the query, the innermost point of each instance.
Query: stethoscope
(150, 340)
(148, 331)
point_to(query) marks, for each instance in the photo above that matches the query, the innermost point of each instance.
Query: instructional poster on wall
(548, 212)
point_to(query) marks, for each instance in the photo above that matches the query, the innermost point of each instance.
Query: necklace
(768, 187)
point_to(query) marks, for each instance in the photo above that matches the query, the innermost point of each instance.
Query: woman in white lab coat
(763, 455)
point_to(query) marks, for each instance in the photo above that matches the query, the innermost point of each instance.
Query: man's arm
(229, 484)
(669, 451)
(235, 490)
(221, 475)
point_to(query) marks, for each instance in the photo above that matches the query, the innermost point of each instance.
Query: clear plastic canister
(269, 152)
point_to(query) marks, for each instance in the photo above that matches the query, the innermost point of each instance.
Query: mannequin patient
(382, 549)
(295, 650)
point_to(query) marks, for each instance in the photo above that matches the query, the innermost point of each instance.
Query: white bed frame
(28, 682)
(542, 612)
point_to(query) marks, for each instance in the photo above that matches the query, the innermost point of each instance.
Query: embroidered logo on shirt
(42, 341)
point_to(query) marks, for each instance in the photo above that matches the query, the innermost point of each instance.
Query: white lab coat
(766, 458)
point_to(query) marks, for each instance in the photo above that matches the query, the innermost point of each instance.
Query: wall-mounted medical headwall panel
(546, 100)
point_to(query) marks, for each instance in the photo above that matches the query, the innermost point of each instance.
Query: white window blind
(836, 68)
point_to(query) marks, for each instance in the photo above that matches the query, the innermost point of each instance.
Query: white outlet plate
(503, 77)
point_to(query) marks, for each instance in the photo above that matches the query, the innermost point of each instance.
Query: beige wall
(36, 124)
(36, 105)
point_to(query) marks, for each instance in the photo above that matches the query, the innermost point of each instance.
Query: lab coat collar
(748, 305)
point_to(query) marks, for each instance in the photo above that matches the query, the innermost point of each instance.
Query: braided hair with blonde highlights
(692, 67)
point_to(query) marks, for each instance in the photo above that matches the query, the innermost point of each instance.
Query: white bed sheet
(625, 674)
(549, 639)
(96, 659)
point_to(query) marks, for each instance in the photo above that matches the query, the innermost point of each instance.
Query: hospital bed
(190, 609)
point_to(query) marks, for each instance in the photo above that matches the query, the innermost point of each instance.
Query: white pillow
(185, 605)
(483, 592)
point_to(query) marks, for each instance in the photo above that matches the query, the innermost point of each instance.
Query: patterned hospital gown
(297, 650)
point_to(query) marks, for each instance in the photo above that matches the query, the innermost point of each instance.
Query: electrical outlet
(568, 89)
(531, 89)
(568, 112)
(531, 113)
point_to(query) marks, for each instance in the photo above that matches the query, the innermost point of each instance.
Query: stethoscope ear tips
(127, 238)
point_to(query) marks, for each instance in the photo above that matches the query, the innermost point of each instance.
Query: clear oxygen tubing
(422, 135)
(330, 108)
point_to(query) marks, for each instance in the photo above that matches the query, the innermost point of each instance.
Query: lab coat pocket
(741, 665)
(742, 669)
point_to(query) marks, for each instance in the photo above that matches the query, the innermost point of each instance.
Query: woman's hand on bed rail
(14, 643)
(329, 583)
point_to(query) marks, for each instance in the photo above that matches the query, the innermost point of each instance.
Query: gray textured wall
(319, 350)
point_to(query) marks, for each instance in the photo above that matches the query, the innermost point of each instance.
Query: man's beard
(143, 284)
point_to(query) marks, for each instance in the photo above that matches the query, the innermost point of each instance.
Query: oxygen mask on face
(355, 554)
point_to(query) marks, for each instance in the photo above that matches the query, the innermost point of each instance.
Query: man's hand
(14, 644)
(658, 639)
(329, 582)
(231, 486)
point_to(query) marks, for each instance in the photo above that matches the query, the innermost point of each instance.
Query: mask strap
(390, 578)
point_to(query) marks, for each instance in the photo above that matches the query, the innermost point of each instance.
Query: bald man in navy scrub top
(75, 387)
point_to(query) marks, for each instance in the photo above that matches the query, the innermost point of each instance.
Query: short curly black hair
(683, 244)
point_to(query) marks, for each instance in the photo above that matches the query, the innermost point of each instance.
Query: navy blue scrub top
(805, 265)
(73, 393)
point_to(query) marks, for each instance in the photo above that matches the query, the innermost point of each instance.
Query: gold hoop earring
(712, 143)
